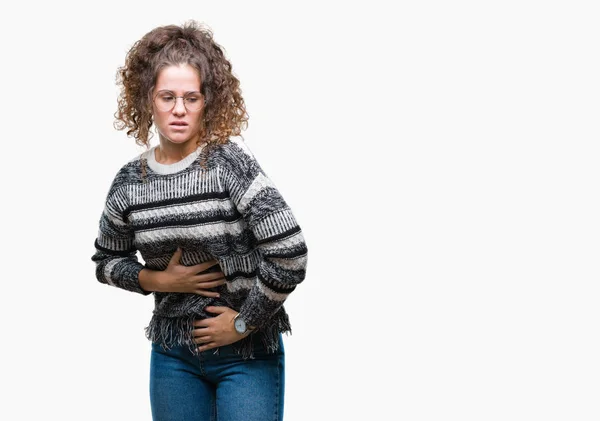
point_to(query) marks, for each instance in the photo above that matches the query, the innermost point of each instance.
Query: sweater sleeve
(115, 257)
(280, 242)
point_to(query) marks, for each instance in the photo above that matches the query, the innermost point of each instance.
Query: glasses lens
(193, 102)
(165, 101)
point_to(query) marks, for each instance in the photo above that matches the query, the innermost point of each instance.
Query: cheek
(158, 118)
(196, 123)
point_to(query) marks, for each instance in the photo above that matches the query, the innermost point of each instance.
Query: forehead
(182, 77)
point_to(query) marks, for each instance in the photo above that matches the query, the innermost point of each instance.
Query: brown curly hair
(224, 113)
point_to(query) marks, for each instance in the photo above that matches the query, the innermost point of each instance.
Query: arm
(115, 257)
(279, 238)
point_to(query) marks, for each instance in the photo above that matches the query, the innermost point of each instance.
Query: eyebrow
(185, 93)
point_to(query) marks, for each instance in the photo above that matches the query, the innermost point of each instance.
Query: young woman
(221, 247)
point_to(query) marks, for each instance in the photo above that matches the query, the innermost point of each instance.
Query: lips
(178, 123)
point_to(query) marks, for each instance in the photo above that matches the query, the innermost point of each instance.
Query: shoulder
(127, 174)
(232, 151)
(235, 156)
(238, 146)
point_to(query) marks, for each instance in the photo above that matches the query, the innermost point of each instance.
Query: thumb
(176, 257)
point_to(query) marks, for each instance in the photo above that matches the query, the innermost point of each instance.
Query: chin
(179, 139)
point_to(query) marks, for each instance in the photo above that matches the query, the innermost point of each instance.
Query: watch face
(240, 325)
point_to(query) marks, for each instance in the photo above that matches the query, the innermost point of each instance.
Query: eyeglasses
(166, 100)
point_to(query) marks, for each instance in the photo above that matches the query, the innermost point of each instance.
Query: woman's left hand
(216, 331)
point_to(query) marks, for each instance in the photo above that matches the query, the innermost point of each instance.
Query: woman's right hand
(191, 279)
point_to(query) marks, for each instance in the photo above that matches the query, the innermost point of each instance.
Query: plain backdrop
(441, 158)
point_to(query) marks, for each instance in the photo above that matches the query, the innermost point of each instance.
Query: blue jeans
(216, 386)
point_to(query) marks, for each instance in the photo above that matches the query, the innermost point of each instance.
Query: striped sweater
(227, 210)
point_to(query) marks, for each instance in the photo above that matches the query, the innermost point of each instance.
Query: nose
(179, 108)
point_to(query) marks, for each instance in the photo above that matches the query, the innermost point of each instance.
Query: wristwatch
(240, 325)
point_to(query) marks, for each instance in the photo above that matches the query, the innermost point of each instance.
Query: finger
(201, 267)
(216, 309)
(200, 331)
(200, 324)
(176, 257)
(205, 277)
(209, 294)
(211, 284)
(207, 346)
(202, 340)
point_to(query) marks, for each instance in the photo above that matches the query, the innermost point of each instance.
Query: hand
(216, 331)
(179, 278)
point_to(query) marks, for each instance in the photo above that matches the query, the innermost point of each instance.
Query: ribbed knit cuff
(130, 278)
(252, 317)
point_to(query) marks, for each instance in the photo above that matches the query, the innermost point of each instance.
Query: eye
(166, 97)
(192, 99)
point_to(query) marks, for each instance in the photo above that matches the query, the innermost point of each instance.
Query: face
(180, 125)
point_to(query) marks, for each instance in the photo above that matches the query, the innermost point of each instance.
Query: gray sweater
(229, 211)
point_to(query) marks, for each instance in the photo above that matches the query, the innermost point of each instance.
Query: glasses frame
(183, 97)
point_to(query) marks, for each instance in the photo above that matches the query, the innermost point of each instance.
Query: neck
(168, 152)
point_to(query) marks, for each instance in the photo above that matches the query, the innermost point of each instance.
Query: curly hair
(224, 113)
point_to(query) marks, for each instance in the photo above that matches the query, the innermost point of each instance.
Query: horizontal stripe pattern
(241, 283)
(197, 231)
(271, 294)
(187, 183)
(293, 240)
(260, 183)
(228, 210)
(108, 243)
(274, 224)
(295, 264)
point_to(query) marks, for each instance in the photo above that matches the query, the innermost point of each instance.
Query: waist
(171, 332)
(255, 344)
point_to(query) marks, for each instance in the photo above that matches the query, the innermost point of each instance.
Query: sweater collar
(159, 168)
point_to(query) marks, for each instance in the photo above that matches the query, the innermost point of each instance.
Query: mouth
(178, 125)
